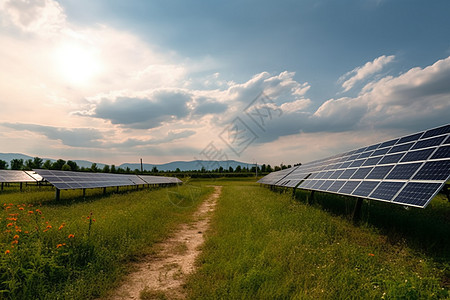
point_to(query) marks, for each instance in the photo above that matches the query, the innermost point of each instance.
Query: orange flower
(31, 212)
(9, 225)
(71, 236)
(49, 227)
(7, 252)
(62, 226)
(16, 237)
(59, 245)
(371, 254)
(21, 208)
(14, 242)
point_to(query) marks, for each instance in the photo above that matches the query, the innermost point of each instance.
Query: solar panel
(15, 176)
(65, 180)
(394, 171)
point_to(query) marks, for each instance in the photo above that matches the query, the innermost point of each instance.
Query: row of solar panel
(64, 180)
(77, 180)
(408, 170)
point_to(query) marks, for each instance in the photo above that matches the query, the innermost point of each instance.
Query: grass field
(264, 245)
(79, 248)
(261, 244)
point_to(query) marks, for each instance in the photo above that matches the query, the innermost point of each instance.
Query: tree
(57, 165)
(263, 168)
(220, 169)
(269, 168)
(16, 164)
(238, 169)
(106, 169)
(113, 169)
(66, 167)
(73, 165)
(154, 169)
(47, 164)
(28, 165)
(230, 169)
(3, 165)
(37, 162)
(277, 168)
(178, 170)
(94, 167)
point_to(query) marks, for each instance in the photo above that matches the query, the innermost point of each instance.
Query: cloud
(170, 137)
(163, 106)
(74, 137)
(361, 73)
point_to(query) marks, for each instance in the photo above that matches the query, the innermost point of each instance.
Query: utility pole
(142, 167)
(256, 169)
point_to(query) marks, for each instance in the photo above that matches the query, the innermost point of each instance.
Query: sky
(255, 81)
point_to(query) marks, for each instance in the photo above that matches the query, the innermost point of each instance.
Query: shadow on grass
(424, 230)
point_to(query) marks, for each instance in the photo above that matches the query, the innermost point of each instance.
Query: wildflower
(9, 225)
(31, 212)
(21, 208)
(49, 227)
(18, 230)
(14, 242)
(71, 236)
(38, 211)
(371, 254)
(7, 252)
(59, 245)
(16, 237)
(26, 232)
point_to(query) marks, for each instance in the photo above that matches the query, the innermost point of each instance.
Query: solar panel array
(15, 176)
(409, 170)
(65, 180)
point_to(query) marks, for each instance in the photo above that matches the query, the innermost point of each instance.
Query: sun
(76, 64)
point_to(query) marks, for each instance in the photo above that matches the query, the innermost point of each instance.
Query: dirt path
(162, 275)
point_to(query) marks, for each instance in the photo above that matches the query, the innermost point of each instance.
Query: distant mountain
(172, 166)
(188, 165)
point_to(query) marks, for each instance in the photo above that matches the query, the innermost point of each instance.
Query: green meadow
(262, 244)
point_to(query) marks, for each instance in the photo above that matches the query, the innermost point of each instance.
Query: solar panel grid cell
(349, 187)
(388, 143)
(373, 147)
(410, 138)
(386, 190)
(379, 172)
(390, 159)
(372, 161)
(401, 148)
(429, 142)
(362, 173)
(347, 174)
(418, 155)
(404, 171)
(365, 188)
(437, 131)
(434, 170)
(417, 193)
(380, 152)
(442, 152)
(336, 186)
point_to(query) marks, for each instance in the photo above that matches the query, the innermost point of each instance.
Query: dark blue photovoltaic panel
(336, 174)
(362, 173)
(305, 184)
(321, 174)
(404, 171)
(437, 131)
(345, 165)
(353, 157)
(401, 148)
(365, 154)
(388, 143)
(417, 193)
(442, 152)
(360, 150)
(434, 170)
(418, 155)
(365, 188)
(390, 159)
(357, 163)
(379, 172)
(381, 151)
(326, 185)
(373, 147)
(327, 174)
(336, 186)
(348, 187)
(447, 141)
(372, 161)
(410, 138)
(347, 174)
(428, 143)
(387, 190)
(317, 184)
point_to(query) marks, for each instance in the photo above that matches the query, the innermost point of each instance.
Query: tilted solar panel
(15, 176)
(409, 170)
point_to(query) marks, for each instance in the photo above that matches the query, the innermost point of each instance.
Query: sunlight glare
(77, 65)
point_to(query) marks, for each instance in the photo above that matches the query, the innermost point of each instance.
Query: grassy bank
(263, 245)
(79, 248)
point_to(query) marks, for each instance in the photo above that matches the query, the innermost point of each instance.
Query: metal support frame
(104, 191)
(57, 194)
(2, 185)
(84, 193)
(357, 211)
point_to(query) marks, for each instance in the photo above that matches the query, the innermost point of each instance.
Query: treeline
(60, 164)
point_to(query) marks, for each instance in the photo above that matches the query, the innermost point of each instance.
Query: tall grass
(80, 248)
(264, 245)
